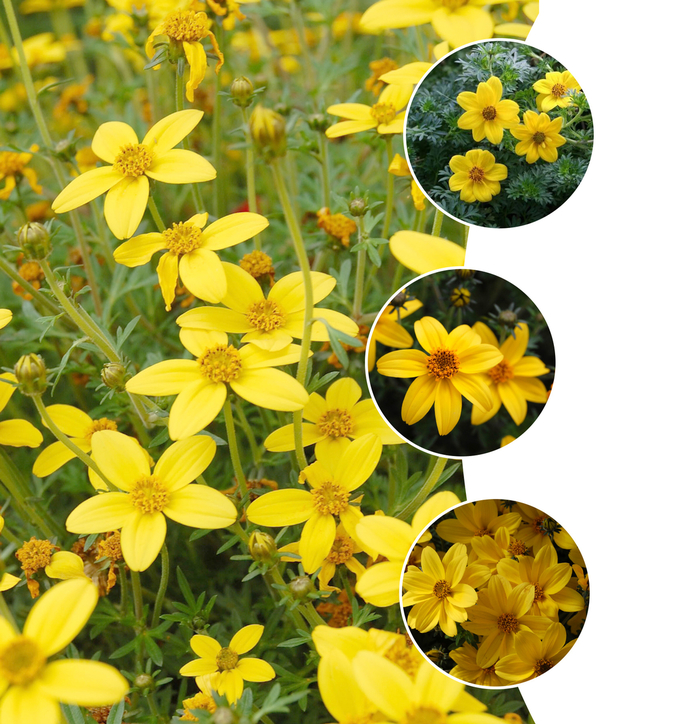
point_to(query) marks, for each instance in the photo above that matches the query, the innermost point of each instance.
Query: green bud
(143, 681)
(358, 206)
(508, 318)
(301, 586)
(113, 375)
(318, 122)
(242, 90)
(35, 241)
(223, 716)
(262, 546)
(30, 372)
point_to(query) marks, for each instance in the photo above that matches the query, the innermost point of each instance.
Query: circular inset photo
(460, 362)
(495, 592)
(498, 134)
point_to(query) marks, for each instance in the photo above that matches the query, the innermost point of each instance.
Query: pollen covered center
(539, 592)
(489, 113)
(558, 90)
(149, 495)
(186, 26)
(21, 661)
(220, 363)
(404, 657)
(508, 623)
(265, 315)
(133, 159)
(336, 423)
(502, 372)
(11, 163)
(442, 590)
(517, 548)
(542, 666)
(476, 174)
(443, 363)
(383, 112)
(341, 550)
(330, 499)
(539, 137)
(102, 424)
(425, 715)
(226, 659)
(182, 238)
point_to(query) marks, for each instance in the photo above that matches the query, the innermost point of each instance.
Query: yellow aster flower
(131, 165)
(28, 7)
(201, 384)
(555, 90)
(486, 114)
(5, 317)
(451, 369)
(399, 167)
(149, 498)
(539, 137)
(187, 28)
(423, 253)
(538, 529)
(332, 479)
(474, 520)
(224, 667)
(492, 548)
(341, 694)
(389, 331)
(191, 253)
(512, 380)
(32, 686)
(436, 592)
(477, 176)
(269, 323)
(201, 700)
(335, 420)
(38, 50)
(457, 21)
(468, 670)
(386, 115)
(15, 433)
(13, 166)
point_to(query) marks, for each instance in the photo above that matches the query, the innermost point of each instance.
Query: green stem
(125, 606)
(250, 173)
(360, 271)
(164, 576)
(155, 214)
(430, 482)
(298, 619)
(248, 430)
(437, 223)
(312, 615)
(238, 530)
(27, 287)
(138, 614)
(325, 169)
(389, 190)
(233, 450)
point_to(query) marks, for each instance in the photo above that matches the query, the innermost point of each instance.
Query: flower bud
(35, 241)
(261, 545)
(269, 131)
(113, 375)
(301, 586)
(460, 297)
(143, 681)
(30, 372)
(508, 318)
(242, 91)
(222, 716)
(318, 122)
(358, 206)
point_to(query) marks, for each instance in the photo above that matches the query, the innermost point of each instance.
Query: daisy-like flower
(186, 29)
(334, 421)
(191, 253)
(436, 591)
(538, 529)
(399, 167)
(223, 666)
(486, 113)
(32, 687)
(451, 369)
(423, 253)
(148, 498)
(389, 331)
(539, 137)
(202, 384)
(131, 164)
(5, 317)
(477, 176)
(269, 323)
(341, 694)
(386, 115)
(7, 580)
(15, 433)
(468, 670)
(457, 21)
(475, 520)
(513, 380)
(555, 90)
(332, 480)
(13, 166)
(491, 549)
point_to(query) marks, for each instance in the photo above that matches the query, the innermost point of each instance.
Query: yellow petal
(282, 440)
(139, 250)
(388, 14)
(386, 536)
(70, 420)
(271, 389)
(142, 538)
(8, 581)
(384, 683)
(430, 333)
(316, 541)
(466, 25)
(5, 317)
(67, 681)
(246, 639)
(169, 131)
(343, 394)
(424, 253)
(19, 433)
(197, 60)
(85, 188)
(103, 512)
(125, 205)
(345, 128)
(404, 363)
(119, 457)
(168, 269)
(255, 670)
(111, 137)
(183, 461)
(202, 273)
(199, 667)
(448, 407)
(164, 378)
(419, 399)
(281, 508)
(195, 407)
(233, 229)
(178, 166)
(205, 646)
(352, 112)
(25, 703)
(65, 565)
(200, 506)
(358, 461)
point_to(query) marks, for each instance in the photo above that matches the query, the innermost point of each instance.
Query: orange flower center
(186, 26)
(442, 590)
(330, 499)
(383, 112)
(489, 113)
(102, 424)
(443, 363)
(502, 372)
(507, 623)
(517, 548)
(257, 264)
(182, 238)
(226, 659)
(481, 533)
(133, 160)
(221, 363)
(265, 315)
(149, 495)
(336, 423)
(425, 715)
(476, 174)
(341, 550)
(11, 163)
(558, 90)
(542, 666)
(21, 661)
(30, 271)
(539, 137)
(539, 592)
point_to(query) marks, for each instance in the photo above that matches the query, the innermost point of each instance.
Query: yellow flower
(201, 384)
(141, 510)
(332, 479)
(399, 167)
(477, 175)
(32, 687)
(46, 6)
(538, 530)
(12, 167)
(436, 592)
(38, 50)
(5, 317)
(423, 253)
(187, 28)
(131, 165)
(539, 137)
(191, 253)
(555, 90)
(512, 380)
(451, 369)
(468, 670)
(16, 433)
(223, 666)
(486, 114)
(474, 520)
(457, 21)
(271, 323)
(389, 331)
(334, 421)
(409, 74)
(341, 693)
(386, 115)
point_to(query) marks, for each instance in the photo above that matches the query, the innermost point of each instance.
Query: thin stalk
(138, 613)
(248, 430)
(27, 287)
(238, 530)
(250, 173)
(430, 482)
(437, 222)
(294, 613)
(164, 576)
(360, 271)
(312, 615)
(233, 450)
(125, 606)
(180, 106)
(389, 190)
(155, 214)
(325, 169)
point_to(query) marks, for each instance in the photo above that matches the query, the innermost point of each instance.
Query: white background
(615, 272)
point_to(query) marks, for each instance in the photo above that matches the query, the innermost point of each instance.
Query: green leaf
(185, 588)
(116, 713)
(153, 650)
(73, 714)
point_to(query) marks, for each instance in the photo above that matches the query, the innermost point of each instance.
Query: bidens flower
(389, 331)
(539, 137)
(555, 90)
(486, 114)
(386, 115)
(16, 433)
(477, 175)
(13, 166)
(132, 164)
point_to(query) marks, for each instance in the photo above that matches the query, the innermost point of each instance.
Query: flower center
(111, 547)
(341, 550)
(11, 163)
(453, 4)
(257, 264)
(404, 657)
(133, 160)
(149, 495)
(477, 174)
(226, 659)
(442, 590)
(539, 592)
(507, 623)
(96, 425)
(558, 90)
(542, 666)
(186, 26)
(539, 137)
(21, 661)
(220, 363)
(502, 372)
(330, 499)
(517, 548)
(336, 423)
(30, 271)
(182, 238)
(425, 715)
(481, 533)
(35, 554)
(383, 112)
(443, 363)
(489, 113)
(265, 315)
